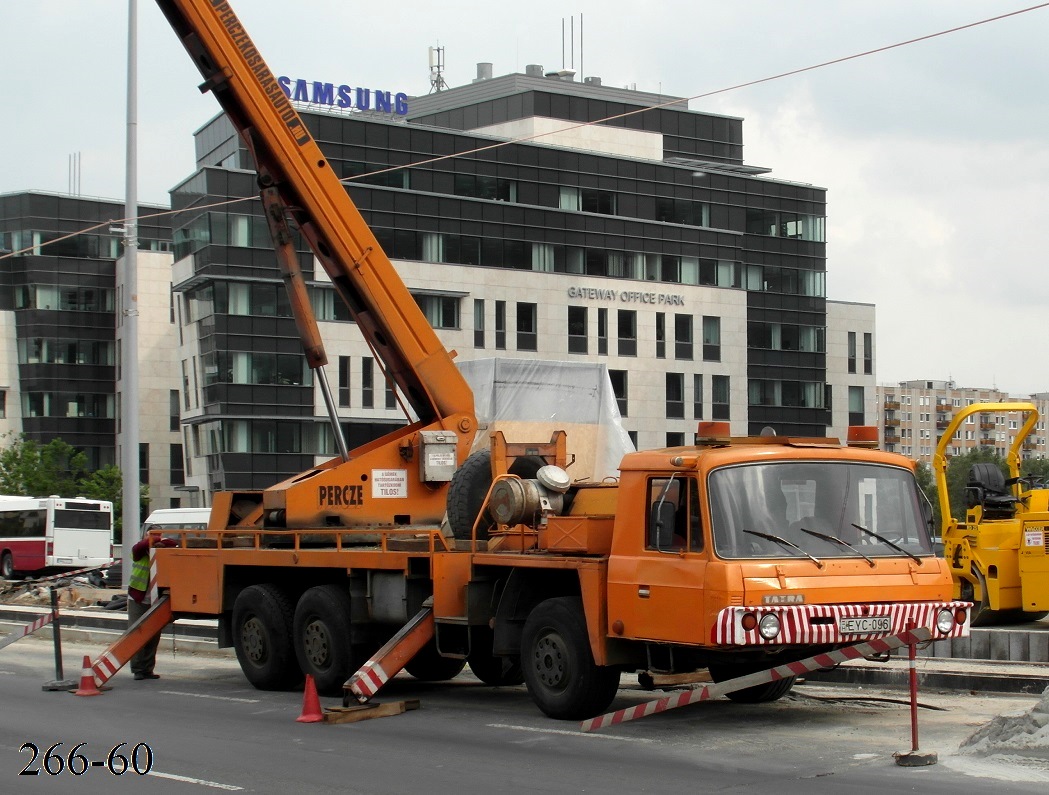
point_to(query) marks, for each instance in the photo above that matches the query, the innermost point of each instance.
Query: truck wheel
(558, 667)
(490, 669)
(759, 694)
(322, 637)
(429, 666)
(469, 487)
(7, 566)
(262, 627)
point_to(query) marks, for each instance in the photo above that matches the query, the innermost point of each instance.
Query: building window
(478, 186)
(344, 380)
(244, 367)
(852, 351)
(675, 403)
(619, 389)
(683, 337)
(627, 332)
(602, 332)
(804, 394)
(478, 323)
(391, 396)
(328, 306)
(697, 396)
(367, 382)
(675, 439)
(719, 397)
(681, 211)
(661, 335)
(785, 337)
(785, 224)
(527, 327)
(185, 384)
(178, 474)
(712, 339)
(855, 405)
(589, 201)
(500, 325)
(868, 353)
(577, 331)
(441, 311)
(143, 464)
(173, 410)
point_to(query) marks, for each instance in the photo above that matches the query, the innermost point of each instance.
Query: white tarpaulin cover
(529, 399)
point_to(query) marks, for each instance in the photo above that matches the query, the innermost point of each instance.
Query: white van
(177, 519)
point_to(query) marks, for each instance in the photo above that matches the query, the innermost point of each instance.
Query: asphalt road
(208, 731)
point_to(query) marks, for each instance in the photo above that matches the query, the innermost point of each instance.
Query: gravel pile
(1024, 733)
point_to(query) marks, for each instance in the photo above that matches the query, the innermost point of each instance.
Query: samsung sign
(317, 93)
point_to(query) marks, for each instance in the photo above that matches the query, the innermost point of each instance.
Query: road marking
(200, 781)
(216, 698)
(570, 733)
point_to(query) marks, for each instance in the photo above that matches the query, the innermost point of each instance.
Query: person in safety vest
(138, 603)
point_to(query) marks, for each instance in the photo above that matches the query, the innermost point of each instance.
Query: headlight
(944, 621)
(769, 626)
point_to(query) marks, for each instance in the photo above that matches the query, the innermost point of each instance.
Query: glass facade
(60, 285)
(696, 222)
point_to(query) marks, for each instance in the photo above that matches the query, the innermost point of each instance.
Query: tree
(29, 469)
(1036, 468)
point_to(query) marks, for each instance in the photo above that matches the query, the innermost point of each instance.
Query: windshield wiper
(785, 543)
(837, 540)
(888, 543)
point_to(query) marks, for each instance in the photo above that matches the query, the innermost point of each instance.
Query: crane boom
(291, 163)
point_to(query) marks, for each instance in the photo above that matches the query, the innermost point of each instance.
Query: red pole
(914, 758)
(911, 654)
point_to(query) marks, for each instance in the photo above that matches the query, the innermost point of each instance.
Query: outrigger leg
(390, 659)
(138, 634)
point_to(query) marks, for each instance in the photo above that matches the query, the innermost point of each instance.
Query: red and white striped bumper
(820, 624)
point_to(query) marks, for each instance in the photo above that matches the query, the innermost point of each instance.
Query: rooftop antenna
(571, 44)
(74, 174)
(437, 82)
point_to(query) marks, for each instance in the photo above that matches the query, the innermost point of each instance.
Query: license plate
(865, 625)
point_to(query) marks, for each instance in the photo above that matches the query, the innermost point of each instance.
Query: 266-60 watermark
(120, 759)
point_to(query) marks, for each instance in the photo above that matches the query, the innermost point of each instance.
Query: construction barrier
(29, 629)
(808, 665)
(53, 577)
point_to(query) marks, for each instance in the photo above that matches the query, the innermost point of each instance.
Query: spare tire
(470, 485)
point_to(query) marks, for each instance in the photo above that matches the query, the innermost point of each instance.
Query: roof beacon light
(863, 436)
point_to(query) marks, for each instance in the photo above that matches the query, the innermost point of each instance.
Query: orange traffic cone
(311, 705)
(87, 681)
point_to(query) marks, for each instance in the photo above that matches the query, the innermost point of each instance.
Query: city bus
(39, 533)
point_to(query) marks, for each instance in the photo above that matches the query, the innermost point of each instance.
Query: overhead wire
(559, 130)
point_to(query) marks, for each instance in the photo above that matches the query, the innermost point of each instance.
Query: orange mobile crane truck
(733, 555)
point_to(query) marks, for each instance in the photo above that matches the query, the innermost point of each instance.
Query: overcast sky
(935, 155)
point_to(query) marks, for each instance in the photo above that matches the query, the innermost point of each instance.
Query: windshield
(824, 509)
